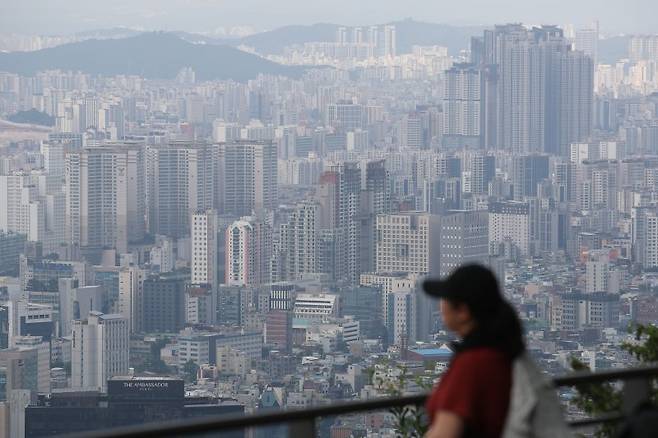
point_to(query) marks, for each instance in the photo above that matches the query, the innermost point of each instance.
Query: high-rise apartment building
(537, 93)
(339, 196)
(105, 196)
(643, 47)
(402, 316)
(411, 132)
(183, 178)
(462, 105)
(587, 41)
(570, 101)
(203, 232)
(349, 207)
(389, 45)
(23, 210)
(248, 250)
(99, 350)
(297, 248)
(249, 177)
(375, 200)
(131, 299)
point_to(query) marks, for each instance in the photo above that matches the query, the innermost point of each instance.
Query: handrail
(262, 418)
(579, 377)
(297, 416)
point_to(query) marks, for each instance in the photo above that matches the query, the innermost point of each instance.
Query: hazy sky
(67, 16)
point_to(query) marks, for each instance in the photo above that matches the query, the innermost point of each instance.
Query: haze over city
(238, 212)
(67, 16)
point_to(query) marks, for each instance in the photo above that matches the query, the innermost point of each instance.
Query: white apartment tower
(298, 243)
(131, 281)
(651, 244)
(23, 211)
(248, 251)
(99, 350)
(204, 248)
(402, 316)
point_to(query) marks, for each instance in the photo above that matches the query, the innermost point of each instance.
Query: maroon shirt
(476, 387)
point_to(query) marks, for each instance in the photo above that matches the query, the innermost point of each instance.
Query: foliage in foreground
(410, 421)
(596, 399)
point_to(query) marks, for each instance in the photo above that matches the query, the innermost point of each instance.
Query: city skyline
(189, 228)
(65, 17)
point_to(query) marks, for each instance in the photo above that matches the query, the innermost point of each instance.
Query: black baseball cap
(474, 285)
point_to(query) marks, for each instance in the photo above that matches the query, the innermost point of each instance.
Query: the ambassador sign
(145, 386)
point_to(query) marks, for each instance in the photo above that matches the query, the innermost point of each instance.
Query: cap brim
(436, 288)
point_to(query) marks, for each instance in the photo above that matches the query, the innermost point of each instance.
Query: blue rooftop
(433, 352)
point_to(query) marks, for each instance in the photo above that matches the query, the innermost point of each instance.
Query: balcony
(303, 422)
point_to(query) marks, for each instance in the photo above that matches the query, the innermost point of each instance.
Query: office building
(36, 343)
(163, 306)
(200, 304)
(130, 401)
(587, 41)
(407, 242)
(464, 239)
(527, 172)
(345, 116)
(11, 246)
(278, 330)
(316, 306)
(509, 225)
(30, 319)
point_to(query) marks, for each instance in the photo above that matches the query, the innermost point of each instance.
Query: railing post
(302, 428)
(636, 391)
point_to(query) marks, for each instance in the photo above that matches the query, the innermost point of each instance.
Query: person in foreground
(473, 396)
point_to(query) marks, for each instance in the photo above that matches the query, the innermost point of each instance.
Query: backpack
(534, 410)
(643, 423)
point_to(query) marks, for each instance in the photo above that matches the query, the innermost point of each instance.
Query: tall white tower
(99, 350)
(204, 247)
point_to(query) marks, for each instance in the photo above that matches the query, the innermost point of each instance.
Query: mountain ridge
(153, 55)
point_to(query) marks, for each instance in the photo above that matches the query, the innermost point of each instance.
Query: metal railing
(302, 422)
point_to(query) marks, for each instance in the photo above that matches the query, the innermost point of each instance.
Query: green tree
(600, 398)
(410, 421)
(190, 371)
